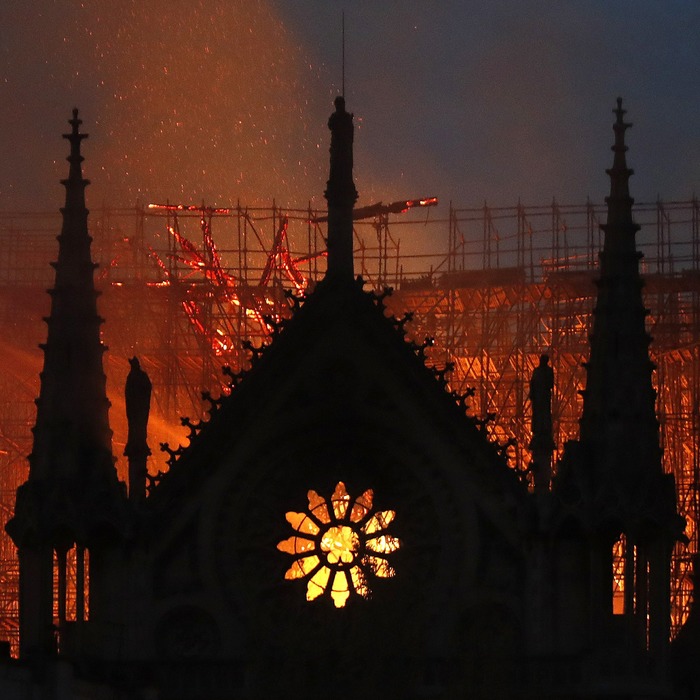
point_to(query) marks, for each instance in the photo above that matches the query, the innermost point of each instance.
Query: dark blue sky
(225, 99)
(500, 99)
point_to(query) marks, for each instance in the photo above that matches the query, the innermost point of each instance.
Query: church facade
(390, 553)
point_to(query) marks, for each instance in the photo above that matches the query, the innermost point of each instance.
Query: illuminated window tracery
(618, 575)
(339, 545)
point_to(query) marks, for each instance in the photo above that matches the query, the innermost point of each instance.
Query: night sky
(225, 100)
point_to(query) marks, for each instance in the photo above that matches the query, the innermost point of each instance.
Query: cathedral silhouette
(390, 553)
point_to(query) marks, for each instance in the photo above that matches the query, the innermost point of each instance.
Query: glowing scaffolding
(192, 289)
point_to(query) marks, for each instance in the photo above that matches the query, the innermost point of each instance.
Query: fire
(225, 290)
(281, 258)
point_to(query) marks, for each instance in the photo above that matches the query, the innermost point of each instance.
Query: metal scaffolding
(187, 287)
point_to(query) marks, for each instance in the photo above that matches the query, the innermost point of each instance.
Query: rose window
(340, 545)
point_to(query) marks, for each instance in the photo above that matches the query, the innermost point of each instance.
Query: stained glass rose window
(339, 545)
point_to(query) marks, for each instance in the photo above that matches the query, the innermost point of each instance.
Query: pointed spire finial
(619, 201)
(75, 184)
(620, 127)
(75, 137)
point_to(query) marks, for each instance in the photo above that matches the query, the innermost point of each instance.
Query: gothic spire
(73, 381)
(72, 498)
(612, 478)
(619, 423)
(340, 194)
(72, 451)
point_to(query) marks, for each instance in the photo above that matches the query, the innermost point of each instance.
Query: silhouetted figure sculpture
(342, 136)
(542, 445)
(138, 404)
(340, 194)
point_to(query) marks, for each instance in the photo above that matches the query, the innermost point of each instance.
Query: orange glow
(279, 257)
(302, 523)
(340, 544)
(379, 521)
(618, 576)
(318, 506)
(336, 553)
(340, 501)
(223, 289)
(361, 507)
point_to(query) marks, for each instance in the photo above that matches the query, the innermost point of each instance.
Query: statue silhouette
(340, 183)
(137, 393)
(138, 405)
(541, 386)
(542, 445)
